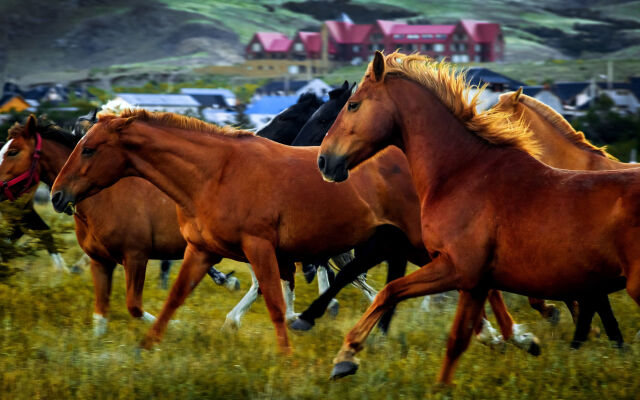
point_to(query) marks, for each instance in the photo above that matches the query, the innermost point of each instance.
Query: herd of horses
(407, 171)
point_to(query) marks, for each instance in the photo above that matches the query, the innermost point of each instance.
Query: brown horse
(128, 223)
(241, 197)
(560, 146)
(492, 215)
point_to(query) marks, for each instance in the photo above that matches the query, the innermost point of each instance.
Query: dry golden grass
(47, 348)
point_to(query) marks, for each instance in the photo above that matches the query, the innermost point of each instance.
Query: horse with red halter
(128, 224)
(242, 197)
(492, 215)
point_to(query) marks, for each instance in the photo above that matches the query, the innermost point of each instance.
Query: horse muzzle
(64, 202)
(333, 168)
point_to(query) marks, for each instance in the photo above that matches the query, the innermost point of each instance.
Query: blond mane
(166, 119)
(452, 89)
(561, 124)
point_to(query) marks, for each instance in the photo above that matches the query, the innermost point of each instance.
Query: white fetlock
(489, 336)
(99, 325)
(58, 262)
(231, 323)
(289, 300)
(521, 338)
(426, 304)
(232, 283)
(146, 317)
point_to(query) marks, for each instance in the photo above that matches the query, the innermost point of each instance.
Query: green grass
(47, 349)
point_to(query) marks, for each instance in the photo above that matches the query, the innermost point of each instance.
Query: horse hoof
(334, 309)
(301, 325)
(554, 316)
(534, 348)
(75, 269)
(342, 369)
(232, 283)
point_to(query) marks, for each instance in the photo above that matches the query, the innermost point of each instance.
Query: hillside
(44, 40)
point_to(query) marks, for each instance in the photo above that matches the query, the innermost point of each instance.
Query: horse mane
(167, 119)
(452, 89)
(561, 124)
(48, 130)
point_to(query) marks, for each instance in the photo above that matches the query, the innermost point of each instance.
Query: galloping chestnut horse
(242, 197)
(492, 215)
(560, 146)
(128, 223)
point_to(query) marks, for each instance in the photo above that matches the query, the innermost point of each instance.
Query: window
(441, 36)
(460, 37)
(439, 47)
(298, 47)
(411, 47)
(462, 47)
(356, 48)
(427, 36)
(256, 47)
(375, 37)
(398, 36)
(413, 36)
(477, 48)
(426, 47)
(478, 58)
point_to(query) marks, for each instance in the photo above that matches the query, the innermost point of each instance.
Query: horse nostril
(321, 163)
(55, 199)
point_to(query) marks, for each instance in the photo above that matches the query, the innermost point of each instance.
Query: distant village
(292, 64)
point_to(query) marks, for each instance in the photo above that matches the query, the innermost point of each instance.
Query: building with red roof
(346, 42)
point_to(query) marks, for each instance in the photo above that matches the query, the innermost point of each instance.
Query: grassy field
(47, 349)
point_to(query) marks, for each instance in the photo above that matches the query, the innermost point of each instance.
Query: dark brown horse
(129, 223)
(242, 197)
(492, 215)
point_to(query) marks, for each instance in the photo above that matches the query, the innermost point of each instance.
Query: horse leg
(82, 261)
(194, 267)
(583, 324)
(436, 277)
(397, 267)
(235, 315)
(287, 280)
(323, 286)
(341, 261)
(603, 308)
(102, 274)
(512, 332)
(135, 268)
(366, 259)
(220, 278)
(633, 288)
(34, 222)
(470, 306)
(548, 311)
(165, 267)
(485, 332)
(262, 257)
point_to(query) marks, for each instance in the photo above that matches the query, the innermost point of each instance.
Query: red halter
(30, 177)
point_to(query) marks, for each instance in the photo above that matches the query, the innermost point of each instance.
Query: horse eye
(13, 152)
(86, 151)
(353, 106)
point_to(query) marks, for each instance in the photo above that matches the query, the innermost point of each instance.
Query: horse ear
(120, 124)
(378, 66)
(517, 94)
(93, 115)
(345, 85)
(353, 89)
(30, 127)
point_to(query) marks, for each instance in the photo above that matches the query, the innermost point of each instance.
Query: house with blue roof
(262, 110)
(215, 98)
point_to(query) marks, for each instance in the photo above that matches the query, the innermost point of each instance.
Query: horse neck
(437, 145)
(52, 158)
(177, 161)
(558, 151)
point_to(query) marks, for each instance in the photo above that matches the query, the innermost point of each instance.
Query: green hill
(56, 40)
